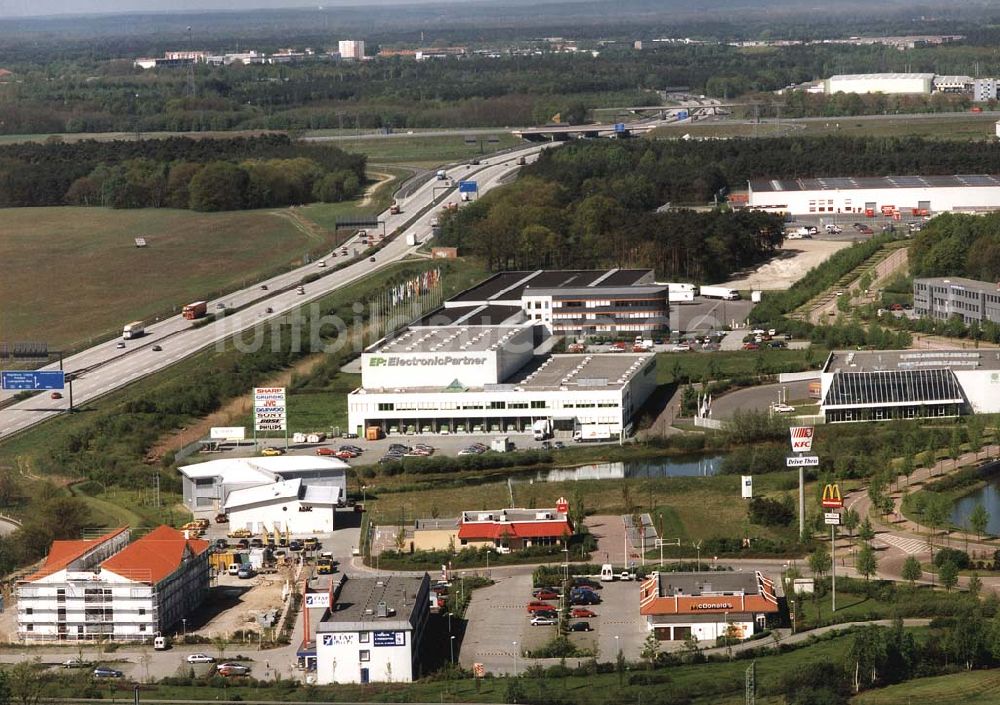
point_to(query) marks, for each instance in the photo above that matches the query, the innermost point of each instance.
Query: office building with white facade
(374, 630)
(110, 589)
(944, 297)
(876, 195)
(287, 505)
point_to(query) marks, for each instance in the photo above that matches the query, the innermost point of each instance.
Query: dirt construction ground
(789, 265)
(236, 603)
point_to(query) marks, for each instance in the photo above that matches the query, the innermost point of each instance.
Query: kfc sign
(802, 438)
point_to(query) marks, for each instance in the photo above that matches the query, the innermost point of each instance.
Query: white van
(234, 569)
(160, 643)
(607, 573)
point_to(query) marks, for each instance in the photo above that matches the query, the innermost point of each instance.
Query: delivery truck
(411, 239)
(720, 292)
(541, 429)
(592, 432)
(135, 329)
(442, 175)
(195, 310)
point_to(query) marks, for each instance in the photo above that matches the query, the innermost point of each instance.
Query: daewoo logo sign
(802, 438)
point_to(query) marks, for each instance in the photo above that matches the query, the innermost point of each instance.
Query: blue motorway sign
(32, 379)
(619, 127)
(468, 187)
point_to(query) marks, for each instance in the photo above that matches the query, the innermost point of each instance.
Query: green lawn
(969, 688)
(72, 275)
(720, 365)
(426, 151)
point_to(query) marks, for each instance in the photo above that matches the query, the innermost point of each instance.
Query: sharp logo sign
(438, 361)
(802, 438)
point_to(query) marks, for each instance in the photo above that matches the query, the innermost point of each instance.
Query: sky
(35, 8)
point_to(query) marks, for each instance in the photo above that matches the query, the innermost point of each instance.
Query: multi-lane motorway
(105, 367)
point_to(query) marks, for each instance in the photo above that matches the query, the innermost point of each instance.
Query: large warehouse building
(889, 384)
(870, 196)
(880, 83)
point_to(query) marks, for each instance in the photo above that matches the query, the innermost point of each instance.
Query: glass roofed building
(882, 385)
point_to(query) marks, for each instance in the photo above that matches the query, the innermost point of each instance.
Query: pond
(989, 497)
(668, 466)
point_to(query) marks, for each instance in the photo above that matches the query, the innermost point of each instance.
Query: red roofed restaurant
(705, 606)
(111, 589)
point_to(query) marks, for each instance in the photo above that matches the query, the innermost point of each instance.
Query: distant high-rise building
(984, 89)
(352, 49)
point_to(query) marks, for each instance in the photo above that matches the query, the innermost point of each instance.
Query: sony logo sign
(436, 361)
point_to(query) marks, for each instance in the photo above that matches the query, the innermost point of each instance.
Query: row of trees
(205, 174)
(958, 245)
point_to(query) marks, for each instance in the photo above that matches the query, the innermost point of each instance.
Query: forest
(959, 246)
(203, 174)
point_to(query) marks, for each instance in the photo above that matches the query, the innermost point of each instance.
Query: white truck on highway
(541, 429)
(442, 175)
(411, 239)
(135, 329)
(720, 292)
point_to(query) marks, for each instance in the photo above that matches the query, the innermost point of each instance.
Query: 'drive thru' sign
(802, 438)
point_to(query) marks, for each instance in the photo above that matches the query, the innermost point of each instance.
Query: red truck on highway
(195, 310)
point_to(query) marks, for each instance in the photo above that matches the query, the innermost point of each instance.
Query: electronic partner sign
(429, 369)
(435, 361)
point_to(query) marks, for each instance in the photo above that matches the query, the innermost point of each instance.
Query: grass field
(969, 688)
(426, 151)
(964, 127)
(693, 365)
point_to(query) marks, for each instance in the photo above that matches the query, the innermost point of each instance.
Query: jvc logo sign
(802, 438)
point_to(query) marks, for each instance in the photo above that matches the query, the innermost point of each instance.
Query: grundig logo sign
(712, 606)
(425, 361)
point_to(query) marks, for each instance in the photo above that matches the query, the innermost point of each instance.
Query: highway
(105, 367)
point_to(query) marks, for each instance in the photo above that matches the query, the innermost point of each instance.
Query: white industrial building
(890, 384)
(107, 588)
(291, 505)
(877, 195)
(206, 486)
(880, 83)
(351, 49)
(374, 630)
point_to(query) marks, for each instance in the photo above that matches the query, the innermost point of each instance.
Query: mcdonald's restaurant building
(707, 605)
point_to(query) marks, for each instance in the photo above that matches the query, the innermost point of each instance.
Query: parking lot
(499, 625)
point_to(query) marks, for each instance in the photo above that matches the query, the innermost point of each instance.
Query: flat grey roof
(695, 584)
(509, 286)
(880, 76)
(882, 360)
(445, 339)
(473, 315)
(580, 372)
(356, 605)
(960, 283)
(833, 183)
(640, 290)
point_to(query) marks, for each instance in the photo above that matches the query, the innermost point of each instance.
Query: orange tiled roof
(62, 553)
(155, 556)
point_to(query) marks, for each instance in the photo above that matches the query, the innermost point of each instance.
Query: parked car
(783, 408)
(543, 621)
(326, 451)
(751, 346)
(295, 545)
(558, 445)
(221, 544)
(75, 663)
(582, 613)
(587, 583)
(232, 669)
(547, 613)
(354, 449)
(245, 573)
(221, 518)
(544, 594)
(105, 672)
(272, 451)
(200, 658)
(581, 627)
(585, 598)
(538, 606)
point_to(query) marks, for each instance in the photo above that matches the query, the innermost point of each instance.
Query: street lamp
(566, 561)
(185, 623)
(515, 659)
(618, 646)
(449, 622)
(452, 650)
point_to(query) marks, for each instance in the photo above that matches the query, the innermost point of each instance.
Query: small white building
(108, 588)
(290, 505)
(373, 631)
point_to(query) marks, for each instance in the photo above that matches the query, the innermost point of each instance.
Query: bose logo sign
(802, 438)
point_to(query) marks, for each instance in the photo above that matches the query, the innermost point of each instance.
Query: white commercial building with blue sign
(373, 631)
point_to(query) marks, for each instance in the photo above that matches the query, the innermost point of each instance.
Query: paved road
(104, 367)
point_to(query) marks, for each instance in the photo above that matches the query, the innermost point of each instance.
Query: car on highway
(538, 606)
(581, 627)
(782, 408)
(56, 395)
(326, 451)
(371, 259)
(157, 348)
(75, 663)
(272, 451)
(200, 658)
(105, 672)
(263, 287)
(268, 310)
(232, 669)
(120, 345)
(543, 621)
(301, 290)
(545, 594)
(321, 264)
(582, 613)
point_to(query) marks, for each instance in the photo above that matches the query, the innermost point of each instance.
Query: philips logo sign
(437, 361)
(802, 438)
